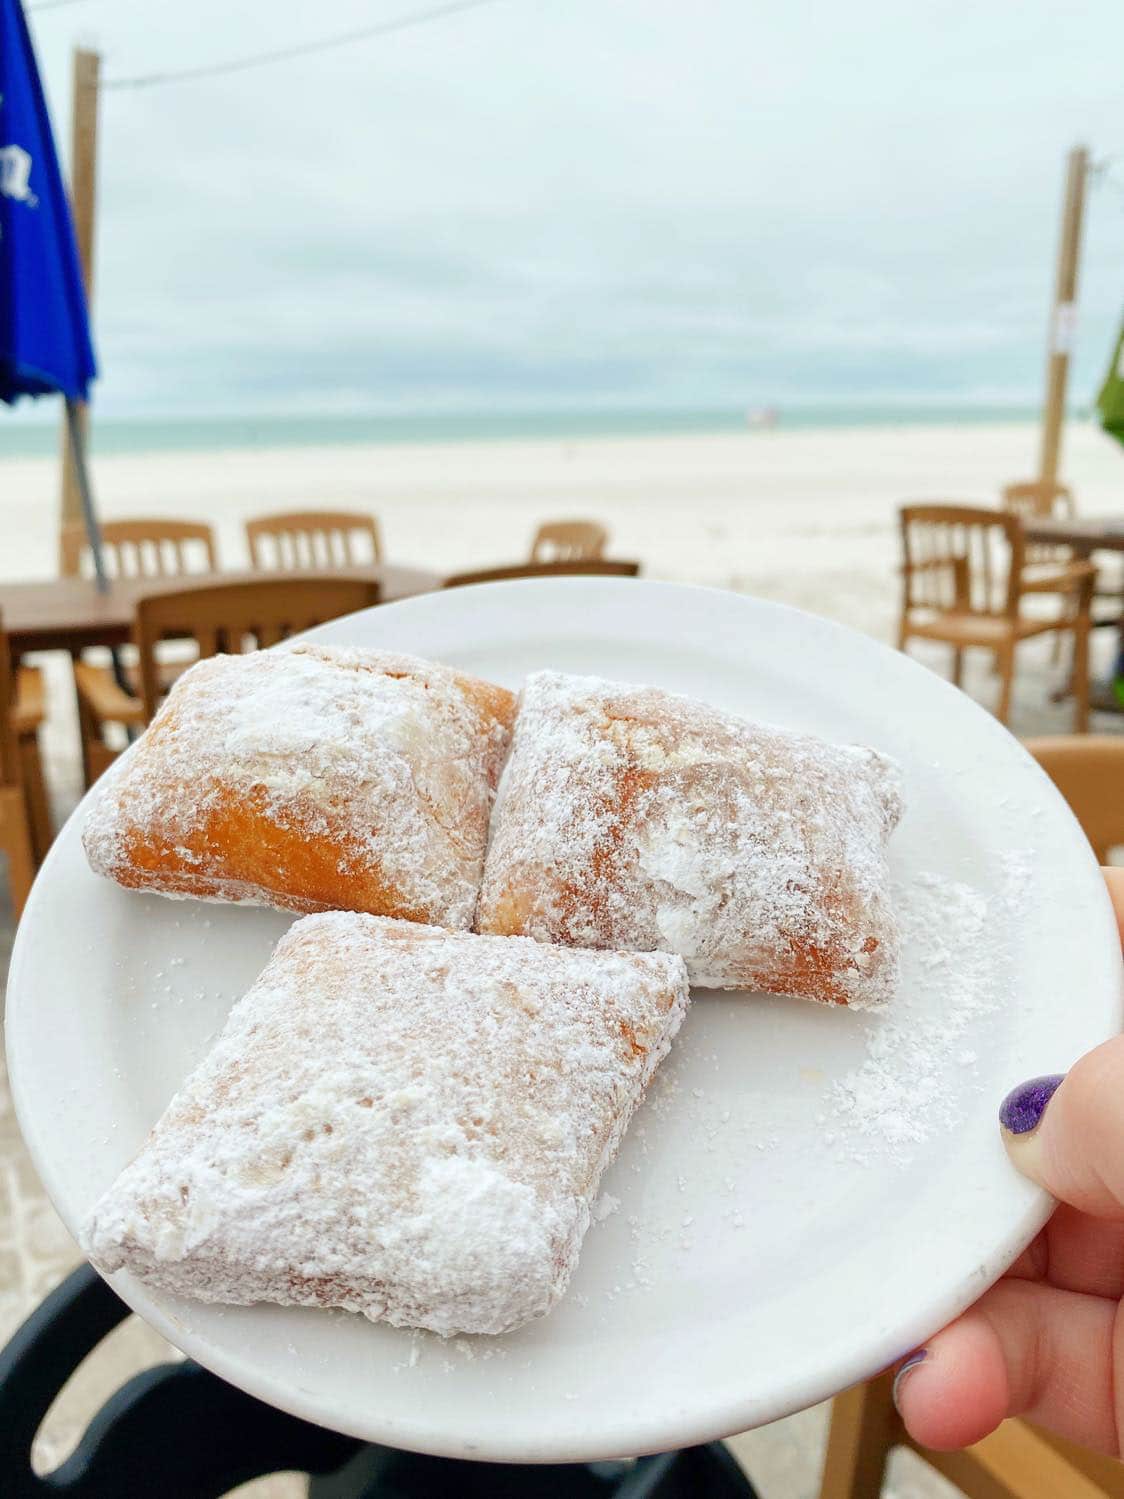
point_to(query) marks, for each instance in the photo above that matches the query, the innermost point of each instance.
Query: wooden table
(68, 614)
(1103, 533)
(1085, 535)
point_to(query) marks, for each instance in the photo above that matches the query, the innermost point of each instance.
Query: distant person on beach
(762, 416)
(1047, 1342)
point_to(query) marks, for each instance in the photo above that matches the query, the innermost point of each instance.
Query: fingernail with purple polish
(1021, 1111)
(910, 1364)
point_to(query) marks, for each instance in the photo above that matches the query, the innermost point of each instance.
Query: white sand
(803, 516)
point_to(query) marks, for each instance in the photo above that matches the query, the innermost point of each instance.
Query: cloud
(640, 202)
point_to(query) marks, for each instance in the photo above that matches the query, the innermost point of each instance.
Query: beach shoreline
(31, 431)
(808, 516)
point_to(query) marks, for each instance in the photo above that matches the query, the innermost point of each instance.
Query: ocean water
(24, 435)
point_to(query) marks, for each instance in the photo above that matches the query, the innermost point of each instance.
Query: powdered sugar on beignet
(311, 778)
(402, 1121)
(630, 817)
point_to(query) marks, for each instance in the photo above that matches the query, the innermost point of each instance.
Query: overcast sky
(581, 202)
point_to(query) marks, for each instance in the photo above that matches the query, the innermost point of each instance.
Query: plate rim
(638, 1434)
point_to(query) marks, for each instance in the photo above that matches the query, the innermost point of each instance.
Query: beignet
(629, 817)
(406, 1122)
(311, 778)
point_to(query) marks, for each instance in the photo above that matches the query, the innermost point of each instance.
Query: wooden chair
(1039, 497)
(145, 548)
(569, 541)
(596, 567)
(313, 540)
(221, 618)
(1089, 773)
(963, 584)
(1019, 1461)
(25, 824)
(1047, 569)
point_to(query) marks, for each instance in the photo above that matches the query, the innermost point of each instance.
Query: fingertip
(1021, 1111)
(1020, 1114)
(957, 1393)
(1073, 1149)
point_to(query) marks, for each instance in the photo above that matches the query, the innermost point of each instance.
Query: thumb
(1067, 1133)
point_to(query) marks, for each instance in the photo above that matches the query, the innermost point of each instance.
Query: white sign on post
(1065, 327)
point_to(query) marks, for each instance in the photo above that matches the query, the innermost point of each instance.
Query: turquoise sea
(24, 438)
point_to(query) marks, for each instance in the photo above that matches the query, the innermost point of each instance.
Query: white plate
(764, 1254)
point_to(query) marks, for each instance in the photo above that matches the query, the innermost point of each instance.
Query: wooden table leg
(15, 842)
(35, 795)
(865, 1427)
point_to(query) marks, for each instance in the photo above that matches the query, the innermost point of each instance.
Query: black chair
(178, 1432)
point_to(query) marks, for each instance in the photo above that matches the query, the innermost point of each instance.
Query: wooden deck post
(1064, 314)
(83, 207)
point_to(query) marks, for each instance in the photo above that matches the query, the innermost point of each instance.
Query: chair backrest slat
(981, 580)
(962, 557)
(209, 639)
(1039, 497)
(603, 568)
(270, 634)
(304, 540)
(569, 541)
(952, 544)
(1035, 498)
(145, 548)
(233, 617)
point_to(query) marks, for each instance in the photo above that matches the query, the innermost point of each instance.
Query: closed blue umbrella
(45, 346)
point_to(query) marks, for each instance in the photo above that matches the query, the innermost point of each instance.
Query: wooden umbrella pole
(77, 438)
(81, 476)
(83, 203)
(1064, 315)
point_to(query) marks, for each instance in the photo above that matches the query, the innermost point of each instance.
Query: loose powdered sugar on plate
(880, 1113)
(898, 1096)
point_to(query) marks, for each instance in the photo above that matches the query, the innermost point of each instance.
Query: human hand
(1047, 1341)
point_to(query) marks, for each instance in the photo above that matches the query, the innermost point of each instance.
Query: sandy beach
(807, 517)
